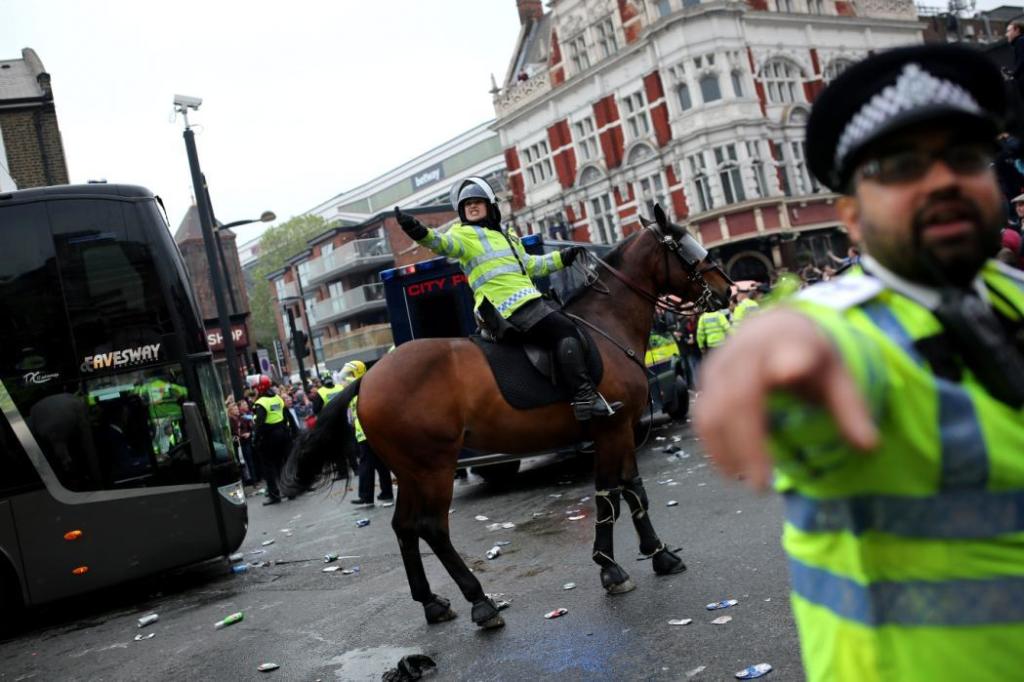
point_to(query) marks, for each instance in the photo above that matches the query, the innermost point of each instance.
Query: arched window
(709, 88)
(782, 81)
(836, 67)
(737, 83)
(685, 101)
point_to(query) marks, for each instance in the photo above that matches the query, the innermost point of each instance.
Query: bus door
(101, 399)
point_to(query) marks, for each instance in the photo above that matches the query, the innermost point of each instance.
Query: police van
(432, 299)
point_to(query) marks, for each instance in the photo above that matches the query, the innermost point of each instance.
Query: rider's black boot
(586, 401)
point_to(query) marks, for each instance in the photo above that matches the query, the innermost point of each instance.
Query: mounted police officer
(499, 272)
(271, 439)
(895, 392)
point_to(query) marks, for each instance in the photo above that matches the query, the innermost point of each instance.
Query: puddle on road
(369, 664)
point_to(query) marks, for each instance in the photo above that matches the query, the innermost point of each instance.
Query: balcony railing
(290, 290)
(349, 303)
(360, 341)
(521, 93)
(355, 256)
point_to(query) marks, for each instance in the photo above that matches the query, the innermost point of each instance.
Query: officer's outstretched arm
(780, 350)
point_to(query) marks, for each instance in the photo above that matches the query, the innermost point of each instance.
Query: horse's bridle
(691, 255)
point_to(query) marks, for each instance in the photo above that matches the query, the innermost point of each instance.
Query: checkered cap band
(914, 88)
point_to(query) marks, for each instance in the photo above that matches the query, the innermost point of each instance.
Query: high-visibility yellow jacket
(743, 308)
(497, 266)
(327, 393)
(274, 406)
(907, 563)
(712, 329)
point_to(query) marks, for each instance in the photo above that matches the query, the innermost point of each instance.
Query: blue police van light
(432, 263)
(531, 239)
(388, 275)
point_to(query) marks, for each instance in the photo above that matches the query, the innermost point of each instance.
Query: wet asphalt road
(330, 626)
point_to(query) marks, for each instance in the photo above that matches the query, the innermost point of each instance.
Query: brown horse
(422, 403)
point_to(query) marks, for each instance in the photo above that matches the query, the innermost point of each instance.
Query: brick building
(189, 238)
(611, 105)
(31, 150)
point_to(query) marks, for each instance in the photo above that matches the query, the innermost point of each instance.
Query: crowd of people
(269, 417)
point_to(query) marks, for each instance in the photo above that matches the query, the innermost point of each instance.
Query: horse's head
(688, 271)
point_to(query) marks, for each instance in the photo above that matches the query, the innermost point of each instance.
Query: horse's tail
(325, 448)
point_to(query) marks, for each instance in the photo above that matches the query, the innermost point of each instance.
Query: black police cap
(894, 90)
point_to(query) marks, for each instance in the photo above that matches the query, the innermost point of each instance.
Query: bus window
(16, 472)
(216, 413)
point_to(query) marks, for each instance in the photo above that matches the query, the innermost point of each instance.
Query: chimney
(529, 10)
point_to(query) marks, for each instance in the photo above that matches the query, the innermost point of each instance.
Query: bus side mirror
(198, 439)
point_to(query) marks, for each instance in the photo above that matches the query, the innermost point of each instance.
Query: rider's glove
(569, 254)
(412, 227)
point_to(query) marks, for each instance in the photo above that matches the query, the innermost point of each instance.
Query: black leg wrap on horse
(438, 610)
(636, 498)
(606, 507)
(667, 562)
(614, 579)
(485, 614)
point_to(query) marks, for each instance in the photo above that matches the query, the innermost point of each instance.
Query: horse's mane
(614, 259)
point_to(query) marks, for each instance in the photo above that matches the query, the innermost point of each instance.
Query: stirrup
(594, 406)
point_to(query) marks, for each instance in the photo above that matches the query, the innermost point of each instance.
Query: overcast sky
(301, 100)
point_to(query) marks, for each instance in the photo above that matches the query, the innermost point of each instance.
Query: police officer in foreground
(894, 393)
(271, 439)
(499, 272)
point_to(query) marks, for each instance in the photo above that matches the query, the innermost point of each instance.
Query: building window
(326, 248)
(784, 5)
(279, 286)
(635, 106)
(779, 152)
(816, 6)
(310, 317)
(834, 68)
(782, 81)
(685, 101)
(757, 167)
(729, 173)
(602, 220)
(664, 8)
(586, 139)
(805, 182)
(698, 171)
(303, 270)
(709, 89)
(737, 83)
(606, 38)
(538, 162)
(687, 4)
(578, 54)
(652, 191)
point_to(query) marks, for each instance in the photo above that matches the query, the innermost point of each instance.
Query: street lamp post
(182, 104)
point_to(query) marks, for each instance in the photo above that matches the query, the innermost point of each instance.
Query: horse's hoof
(615, 580)
(485, 614)
(438, 610)
(667, 562)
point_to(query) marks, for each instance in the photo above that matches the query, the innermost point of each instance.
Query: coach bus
(115, 451)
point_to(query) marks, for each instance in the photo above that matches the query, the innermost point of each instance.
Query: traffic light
(301, 344)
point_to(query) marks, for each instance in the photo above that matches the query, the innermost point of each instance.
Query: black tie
(983, 345)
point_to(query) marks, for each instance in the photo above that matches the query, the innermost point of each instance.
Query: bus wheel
(681, 405)
(497, 474)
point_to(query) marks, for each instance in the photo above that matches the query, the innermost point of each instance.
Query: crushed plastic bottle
(754, 671)
(494, 552)
(230, 620)
(721, 620)
(362, 523)
(148, 620)
(724, 604)
(330, 558)
(331, 569)
(481, 517)
(671, 503)
(569, 586)
(267, 543)
(508, 525)
(557, 613)
(267, 667)
(139, 638)
(234, 558)
(680, 621)
(240, 568)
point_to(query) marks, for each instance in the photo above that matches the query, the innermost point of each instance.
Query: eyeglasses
(911, 165)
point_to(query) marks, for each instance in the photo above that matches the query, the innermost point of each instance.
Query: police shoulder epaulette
(843, 292)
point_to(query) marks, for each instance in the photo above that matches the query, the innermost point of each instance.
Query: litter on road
(569, 586)
(330, 558)
(148, 620)
(230, 620)
(724, 604)
(481, 517)
(680, 621)
(508, 525)
(754, 671)
(267, 667)
(493, 526)
(139, 638)
(494, 552)
(240, 568)
(267, 543)
(331, 569)
(671, 503)
(721, 620)
(557, 613)
(236, 557)
(502, 543)
(577, 518)
(696, 671)
(362, 523)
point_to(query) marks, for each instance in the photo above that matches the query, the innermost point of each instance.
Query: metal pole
(220, 250)
(309, 327)
(234, 375)
(298, 360)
